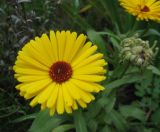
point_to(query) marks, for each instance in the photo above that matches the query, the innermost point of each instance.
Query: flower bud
(137, 51)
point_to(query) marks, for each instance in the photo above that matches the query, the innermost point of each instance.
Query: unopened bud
(137, 51)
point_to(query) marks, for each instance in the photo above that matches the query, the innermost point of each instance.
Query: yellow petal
(29, 96)
(101, 62)
(72, 89)
(52, 111)
(83, 85)
(34, 101)
(87, 86)
(89, 52)
(70, 41)
(89, 78)
(82, 103)
(78, 44)
(53, 97)
(29, 71)
(16, 75)
(18, 86)
(82, 50)
(88, 70)
(22, 93)
(36, 51)
(75, 106)
(54, 44)
(34, 87)
(67, 97)
(98, 87)
(44, 95)
(43, 106)
(31, 78)
(44, 49)
(60, 101)
(23, 59)
(85, 96)
(68, 109)
(48, 46)
(88, 60)
(61, 39)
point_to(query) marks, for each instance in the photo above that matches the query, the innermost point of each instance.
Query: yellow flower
(143, 9)
(59, 72)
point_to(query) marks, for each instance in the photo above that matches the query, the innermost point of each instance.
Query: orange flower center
(145, 9)
(60, 71)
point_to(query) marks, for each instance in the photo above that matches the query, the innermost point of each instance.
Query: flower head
(59, 71)
(137, 51)
(143, 9)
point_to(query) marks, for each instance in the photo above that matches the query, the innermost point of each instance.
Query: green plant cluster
(131, 100)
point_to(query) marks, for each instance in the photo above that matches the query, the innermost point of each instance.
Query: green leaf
(132, 111)
(21, 1)
(78, 19)
(79, 121)
(97, 39)
(154, 69)
(156, 116)
(76, 3)
(110, 103)
(131, 78)
(2, 11)
(111, 34)
(26, 117)
(111, 6)
(119, 70)
(107, 129)
(118, 121)
(94, 111)
(46, 123)
(151, 32)
(93, 125)
(63, 128)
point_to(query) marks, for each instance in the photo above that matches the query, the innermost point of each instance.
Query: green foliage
(80, 123)
(131, 99)
(45, 123)
(131, 111)
(98, 40)
(149, 92)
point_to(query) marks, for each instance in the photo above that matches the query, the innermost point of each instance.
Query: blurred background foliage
(131, 101)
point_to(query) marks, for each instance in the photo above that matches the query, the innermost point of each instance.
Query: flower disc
(60, 72)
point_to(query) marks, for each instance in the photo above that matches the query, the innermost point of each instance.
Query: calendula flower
(143, 9)
(59, 72)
